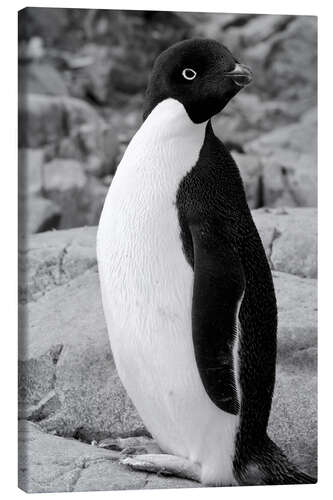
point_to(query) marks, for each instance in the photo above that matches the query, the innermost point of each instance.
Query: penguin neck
(162, 152)
(170, 121)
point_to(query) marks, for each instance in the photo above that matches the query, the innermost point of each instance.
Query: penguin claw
(163, 464)
(131, 445)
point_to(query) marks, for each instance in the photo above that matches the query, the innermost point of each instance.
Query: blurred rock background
(82, 77)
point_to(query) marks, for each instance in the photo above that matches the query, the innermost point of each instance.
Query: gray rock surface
(70, 127)
(289, 236)
(58, 193)
(49, 464)
(289, 158)
(51, 259)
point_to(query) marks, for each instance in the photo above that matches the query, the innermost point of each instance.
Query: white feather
(146, 286)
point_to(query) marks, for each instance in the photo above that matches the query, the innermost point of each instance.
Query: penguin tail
(272, 467)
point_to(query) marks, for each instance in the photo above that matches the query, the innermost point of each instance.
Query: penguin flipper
(219, 284)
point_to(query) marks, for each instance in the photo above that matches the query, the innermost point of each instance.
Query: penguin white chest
(146, 286)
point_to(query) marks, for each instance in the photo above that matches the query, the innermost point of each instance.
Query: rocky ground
(69, 392)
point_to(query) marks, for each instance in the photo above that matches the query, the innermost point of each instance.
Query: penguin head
(200, 73)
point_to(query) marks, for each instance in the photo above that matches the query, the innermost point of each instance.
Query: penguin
(186, 288)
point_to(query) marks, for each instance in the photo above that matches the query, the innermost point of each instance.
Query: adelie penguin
(187, 290)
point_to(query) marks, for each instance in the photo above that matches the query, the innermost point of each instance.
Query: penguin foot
(170, 465)
(131, 445)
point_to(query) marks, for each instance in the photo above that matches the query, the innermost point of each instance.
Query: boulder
(291, 62)
(299, 137)
(290, 239)
(65, 183)
(41, 78)
(49, 464)
(67, 128)
(290, 180)
(36, 213)
(289, 159)
(54, 258)
(80, 196)
(258, 29)
(30, 171)
(247, 117)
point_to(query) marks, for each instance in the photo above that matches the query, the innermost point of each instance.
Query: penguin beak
(241, 75)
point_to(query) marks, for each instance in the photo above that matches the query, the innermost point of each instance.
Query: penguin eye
(189, 74)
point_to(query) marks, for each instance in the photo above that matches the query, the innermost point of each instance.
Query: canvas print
(167, 250)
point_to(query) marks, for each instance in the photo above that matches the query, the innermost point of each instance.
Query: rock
(213, 25)
(53, 464)
(69, 128)
(98, 73)
(251, 170)
(289, 158)
(54, 258)
(247, 117)
(38, 214)
(65, 184)
(297, 317)
(258, 29)
(290, 180)
(300, 137)
(41, 78)
(30, 171)
(292, 61)
(80, 197)
(290, 239)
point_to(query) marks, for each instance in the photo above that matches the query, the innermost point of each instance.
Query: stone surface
(41, 78)
(300, 137)
(57, 194)
(289, 180)
(289, 158)
(54, 258)
(69, 127)
(248, 116)
(39, 214)
(36, 212)
(49, 464)
(290, 239)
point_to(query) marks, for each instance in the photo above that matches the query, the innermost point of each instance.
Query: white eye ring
(189, 74)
